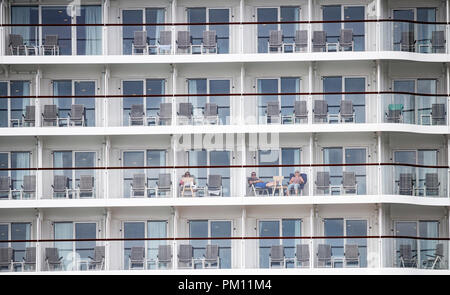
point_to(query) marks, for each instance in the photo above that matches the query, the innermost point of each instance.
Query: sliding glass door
(15, 160)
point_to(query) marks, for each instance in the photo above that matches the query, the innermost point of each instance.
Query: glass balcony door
(345, 84)
(144, 16)
(416, 157)
(210, 158)
(81, 159)
(278, 228)
(16, 231)
(333, 29)
(286, 102)
(339, 155)
(150, 104)
(276, 14)
(74, 88)
(54, 15)
(338, 227)
(142, 230)
(12, 109)
(212, 86)
(15, 160)
(421, 248)
(213, 229)
(78, 251)
(26, 15)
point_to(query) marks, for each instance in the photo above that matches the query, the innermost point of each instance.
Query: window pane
(356, 13)
(64, 230)
(333, 84)
(4, 105)
(19, 160)
(58, 15)
(266, 15)
(358, 100)
(332, 13)
(131, 88)
(266, 86)
(89, 38)
(196, 15)
(19, 88)
(198, 158)
(198, 229)
(267, 229)
(222, 229)
(131, 159)
(154, 87)
(221, 158)
(291, 228)
(222, 31)
(155, 229)
(85, 231)
(86, 88)
(130, 17)
(63, 88)
(25, 15)
(357, 156)
(358, 228)
(223, 102)
(335, 227)
(270, 157)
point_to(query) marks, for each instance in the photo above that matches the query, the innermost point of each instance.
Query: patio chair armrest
(90, 257)
(60, 258)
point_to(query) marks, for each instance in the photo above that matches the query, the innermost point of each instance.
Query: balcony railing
(227, 37)
(265, 252)
(227, 180)
(264, 108)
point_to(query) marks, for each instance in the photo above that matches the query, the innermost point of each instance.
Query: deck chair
(164, 255)
(319, 41)
(351, 255)
(211, 257)
(302, 255)
(50, 45)
(29, 118)
(323, 182)
(185, 258)
(60, 186)
(86, 186)
(257, 190)
(432, 184)
(407, 41)
(138, 185)
(209, 43)
(349, 184)
(52, 259)
(394, 114)
(211, 113)
(17, 46)
(137, 115)
(6, 258)
(438, 114)
(29, 261)
(273, 112)
(5, 187)
(407, 259)
(137, 257)
(28, 186)
(438, 42)
(50, 115)
(184, 41)
(275, 41)
(302, 185)
(301, 40)
(214, 185)
(185, 112)
(165, 42)
(139, 43)
(346, 40)
(434, 261)
(164, 183)
(77, 115)
(300, 111)
(165, 113)
(346, 111)
(324, 255)
(98, 261)
(320, 110)
(406, 184)
(277, 256)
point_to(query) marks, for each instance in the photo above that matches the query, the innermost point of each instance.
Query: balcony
(268, 107)
(193, 253)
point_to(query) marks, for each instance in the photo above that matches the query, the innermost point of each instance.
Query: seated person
(258, 183)
(191, 185)
(295, 183)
